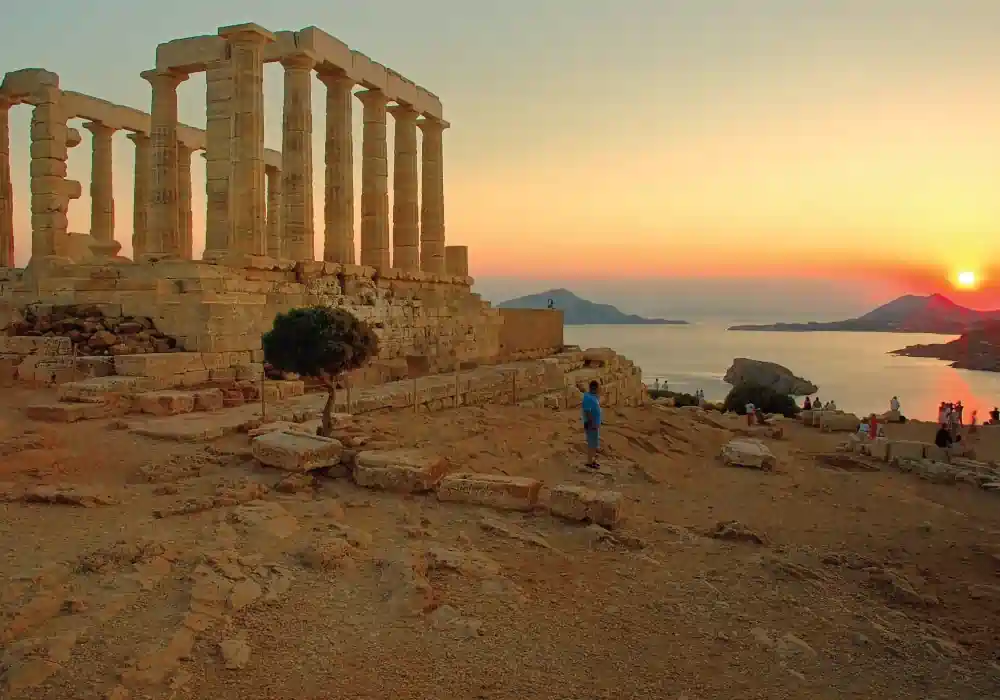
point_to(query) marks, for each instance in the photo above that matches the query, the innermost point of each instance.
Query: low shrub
(764, 398)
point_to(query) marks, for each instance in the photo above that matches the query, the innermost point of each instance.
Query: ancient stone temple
(260, 211)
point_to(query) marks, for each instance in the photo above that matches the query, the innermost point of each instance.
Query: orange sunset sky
(639, 139)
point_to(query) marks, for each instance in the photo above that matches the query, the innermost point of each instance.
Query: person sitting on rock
(943, 437)
(831, 406)
(592, 423)
(807, 406)
(994, 416)
(894, 404)
(817, 404)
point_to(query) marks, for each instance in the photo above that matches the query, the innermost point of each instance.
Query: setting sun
(966, 279)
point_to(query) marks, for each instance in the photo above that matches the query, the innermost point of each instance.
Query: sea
(852, 369)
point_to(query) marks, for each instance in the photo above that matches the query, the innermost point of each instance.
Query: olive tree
(320, 342)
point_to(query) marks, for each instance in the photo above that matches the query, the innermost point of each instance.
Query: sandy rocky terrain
(136, 568)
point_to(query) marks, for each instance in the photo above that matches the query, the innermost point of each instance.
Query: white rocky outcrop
(768, 374)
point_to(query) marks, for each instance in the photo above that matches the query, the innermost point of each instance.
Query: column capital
(163, 79)
(403, 113)
(137, 137)
(337, 80)
(248, 33)
(432, 125)
(372, 97)
(299, 60)
(99, 129)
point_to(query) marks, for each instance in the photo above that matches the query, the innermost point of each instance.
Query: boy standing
(592, 423)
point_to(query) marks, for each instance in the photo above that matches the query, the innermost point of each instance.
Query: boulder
(296, 452)
(769, 374)
(747, 452)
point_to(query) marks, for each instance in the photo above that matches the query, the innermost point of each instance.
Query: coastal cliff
(581, 312)
(977, 349)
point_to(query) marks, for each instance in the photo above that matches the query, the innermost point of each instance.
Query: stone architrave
(246, 50)
(274, 211)
(163, 228)
(432, 193)
(6, 189)
(185, 212)
(338, 211)
(102, 190)
(405, 192)
(218, 159)
(298, 237)
(141, 192)
(374, 182)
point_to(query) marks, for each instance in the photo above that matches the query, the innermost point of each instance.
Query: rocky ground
(133, 568)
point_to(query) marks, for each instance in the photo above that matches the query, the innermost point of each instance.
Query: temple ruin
(80, 308)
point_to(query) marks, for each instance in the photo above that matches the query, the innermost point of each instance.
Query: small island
(977, 349)
(907, 314)
(581, 312)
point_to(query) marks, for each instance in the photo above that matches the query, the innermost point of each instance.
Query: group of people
(811, 404)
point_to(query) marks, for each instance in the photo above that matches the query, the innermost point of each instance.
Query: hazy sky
(852, 140)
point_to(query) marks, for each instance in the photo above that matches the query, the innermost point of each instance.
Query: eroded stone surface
(296, 452)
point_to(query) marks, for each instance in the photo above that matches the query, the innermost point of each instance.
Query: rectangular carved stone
(580, 503)
(405, 471)
(497, 491)
(296, 452)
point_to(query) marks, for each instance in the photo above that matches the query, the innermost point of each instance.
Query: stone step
(70, 412)
(110, 389)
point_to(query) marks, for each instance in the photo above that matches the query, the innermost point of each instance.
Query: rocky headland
(581, 312)
(977, 349)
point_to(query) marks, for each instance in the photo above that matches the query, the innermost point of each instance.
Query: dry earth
(160, 570)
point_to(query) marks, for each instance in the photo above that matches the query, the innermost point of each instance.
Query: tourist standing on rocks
(592, 423)
(894, 404)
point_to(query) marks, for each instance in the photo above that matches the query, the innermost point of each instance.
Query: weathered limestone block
(35, 345)
(817, 417)
(906, 449)
(456, 260)
(935, 453)
(159, 364)
(402, 470)
(747, 452)
(806, 417)
(68, 412)
(208, 399)
(580, 503)
(296, 452)
(497, 491)
(105, 388)
(165, 403)
(878, 449)
(839, 422)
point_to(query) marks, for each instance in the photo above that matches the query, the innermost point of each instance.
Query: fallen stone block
(806, 417)
(106, 388)
(747, 452)
(403, 470)
(839, 423)
(68, 412)
(296, 452)
(165, 403)
(35, 345)
(494, 490)
(208, 399)
(582, 504)
(938, 454)
(878, 449)
(906, 449)
(158, 364)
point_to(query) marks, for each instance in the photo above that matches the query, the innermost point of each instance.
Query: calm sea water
(852, 369)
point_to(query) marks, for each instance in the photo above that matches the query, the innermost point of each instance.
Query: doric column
(185, 213)
(6, 189)
(218, 159)
(299, 233)
(50, 190)
(338, 208)
(374, 182)
(432, 193)
(246, 50)
(274, 207)
(456, 260)
(163, 228)
(405, 195)
(141, 193)
(102, 188)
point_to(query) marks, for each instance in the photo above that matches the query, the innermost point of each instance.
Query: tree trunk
(331, 398)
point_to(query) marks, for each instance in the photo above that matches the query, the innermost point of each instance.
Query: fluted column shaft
(338, 207)
(218, 159)
(299, 234)
(246, 50)
(163, 233)
(274, 211)
(102, 188)
(405, 193)
(185, 212)
(374, 182)
(141, 193)
(432, 193)
(6, 189)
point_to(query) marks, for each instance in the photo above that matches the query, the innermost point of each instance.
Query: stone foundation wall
(530, 332)
(221, 311)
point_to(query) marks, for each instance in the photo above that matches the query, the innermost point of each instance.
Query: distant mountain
(907, 314)
(978, 348)
(580, 312)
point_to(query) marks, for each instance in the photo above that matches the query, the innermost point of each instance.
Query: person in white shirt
(750, 413)
(894, 404)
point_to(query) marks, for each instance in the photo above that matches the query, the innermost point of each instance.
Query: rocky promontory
(768, 374)
(977, 349)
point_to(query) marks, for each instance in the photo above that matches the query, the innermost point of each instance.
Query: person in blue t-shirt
(592, 423)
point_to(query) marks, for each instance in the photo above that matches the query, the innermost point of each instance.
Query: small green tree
(321, 342)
